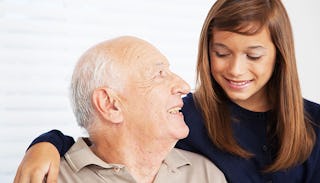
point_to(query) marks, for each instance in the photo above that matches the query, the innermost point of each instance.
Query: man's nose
(180, 86)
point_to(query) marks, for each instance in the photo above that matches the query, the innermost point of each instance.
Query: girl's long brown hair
(291, 128)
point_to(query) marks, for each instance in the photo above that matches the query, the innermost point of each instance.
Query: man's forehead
(145, 56)
(134, 54)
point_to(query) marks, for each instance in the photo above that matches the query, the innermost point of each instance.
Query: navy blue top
(250, 132)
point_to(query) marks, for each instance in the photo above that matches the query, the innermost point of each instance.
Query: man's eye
(160, 72)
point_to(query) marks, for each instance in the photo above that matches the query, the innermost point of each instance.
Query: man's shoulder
(69, 169)
(80, 164)
(200, 166)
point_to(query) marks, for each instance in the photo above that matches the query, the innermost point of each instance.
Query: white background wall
(40, 41)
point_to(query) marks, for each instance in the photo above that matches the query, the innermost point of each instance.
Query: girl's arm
(42, 159)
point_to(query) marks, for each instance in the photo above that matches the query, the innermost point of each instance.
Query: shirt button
(265, 148)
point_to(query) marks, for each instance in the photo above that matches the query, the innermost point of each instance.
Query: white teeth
(174, 110)
(238, 83)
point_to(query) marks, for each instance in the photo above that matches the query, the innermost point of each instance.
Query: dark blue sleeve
(313, 162)
(316, 177)
(57, 138)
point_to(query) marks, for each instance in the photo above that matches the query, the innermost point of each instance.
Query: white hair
(91, 72)
(100, 67)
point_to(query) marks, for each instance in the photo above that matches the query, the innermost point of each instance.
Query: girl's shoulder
(188, 103)
(313, 111)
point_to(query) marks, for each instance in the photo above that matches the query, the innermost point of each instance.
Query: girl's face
(242, 65)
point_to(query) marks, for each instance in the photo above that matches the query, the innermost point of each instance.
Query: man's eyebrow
(159, 63)
(162, 64)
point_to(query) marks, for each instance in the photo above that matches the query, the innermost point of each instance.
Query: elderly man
(126, 97)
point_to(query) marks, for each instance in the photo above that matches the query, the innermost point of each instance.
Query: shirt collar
(175, 159)
(80, 155)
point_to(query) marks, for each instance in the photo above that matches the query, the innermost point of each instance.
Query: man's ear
(106, 105)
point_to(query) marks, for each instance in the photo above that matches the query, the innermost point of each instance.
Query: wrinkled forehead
(140, 60)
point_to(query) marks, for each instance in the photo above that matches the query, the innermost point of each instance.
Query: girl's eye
(221, 55)
(254, 58)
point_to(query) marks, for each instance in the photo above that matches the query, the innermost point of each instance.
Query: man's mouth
(175, 110)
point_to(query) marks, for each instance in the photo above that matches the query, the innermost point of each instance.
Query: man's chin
(182, 133)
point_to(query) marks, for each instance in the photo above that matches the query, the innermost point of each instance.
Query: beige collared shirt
(81, 165)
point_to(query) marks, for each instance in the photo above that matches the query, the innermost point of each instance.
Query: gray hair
(91, 72)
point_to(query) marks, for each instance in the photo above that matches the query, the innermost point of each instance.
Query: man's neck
(142, 159)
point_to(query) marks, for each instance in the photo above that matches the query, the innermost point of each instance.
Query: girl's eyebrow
(219, 45)
(256, 47)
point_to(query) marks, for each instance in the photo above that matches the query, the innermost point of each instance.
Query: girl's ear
(106, 105)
